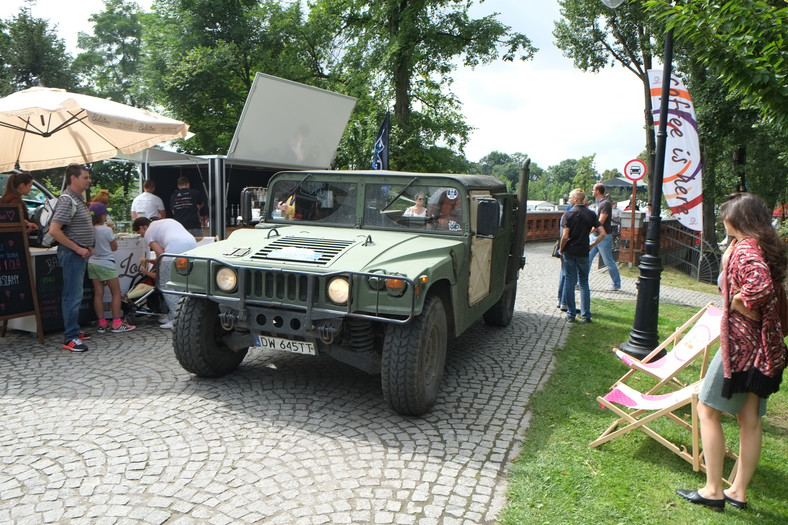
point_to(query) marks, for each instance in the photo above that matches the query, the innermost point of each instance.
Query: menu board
(17, 290)
(49, 282)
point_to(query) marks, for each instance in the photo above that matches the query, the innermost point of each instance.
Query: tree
(745, 43)
(585, 174)
(506, 167)
(110, 65)
(31, 54)
(406, 51)
(202, 56)
(595, 36)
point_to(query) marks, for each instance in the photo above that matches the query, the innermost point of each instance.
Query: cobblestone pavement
(122, 434)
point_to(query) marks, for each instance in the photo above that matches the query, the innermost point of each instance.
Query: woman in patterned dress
(749, 365)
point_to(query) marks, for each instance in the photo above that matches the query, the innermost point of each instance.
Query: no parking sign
(635, 170)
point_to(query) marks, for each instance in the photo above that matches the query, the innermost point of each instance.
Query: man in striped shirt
(72, 228)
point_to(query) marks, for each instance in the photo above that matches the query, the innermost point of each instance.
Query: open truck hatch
(289, 125)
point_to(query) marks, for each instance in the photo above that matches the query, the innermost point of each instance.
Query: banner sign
(380, 156)
(681, 183)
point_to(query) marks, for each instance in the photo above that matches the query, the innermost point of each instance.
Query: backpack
(43, 217)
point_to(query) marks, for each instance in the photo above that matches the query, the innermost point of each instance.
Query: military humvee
(348, 265)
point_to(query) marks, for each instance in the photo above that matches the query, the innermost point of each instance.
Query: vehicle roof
(471, 182)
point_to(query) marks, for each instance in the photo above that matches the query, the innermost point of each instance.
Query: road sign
(635, 170)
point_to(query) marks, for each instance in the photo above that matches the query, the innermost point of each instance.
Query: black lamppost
(644, 338)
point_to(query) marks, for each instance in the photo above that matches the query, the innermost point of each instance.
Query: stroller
(143, 298)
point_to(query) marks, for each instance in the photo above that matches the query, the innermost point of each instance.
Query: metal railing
(685, 250)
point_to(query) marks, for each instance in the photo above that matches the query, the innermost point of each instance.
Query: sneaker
(166, 326)
(83, 336)
(123, 327)
(101, 329)
(587, 320)
(75, 345)
(570, 320)
(163, 319)
(614, 288)
(562, 307)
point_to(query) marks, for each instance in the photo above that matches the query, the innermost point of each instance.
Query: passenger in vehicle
(418, 209)
(447, 210)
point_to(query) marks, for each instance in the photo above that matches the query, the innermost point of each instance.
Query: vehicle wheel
(197, 339)
(130, 319)
(500, 314)
(413, 359)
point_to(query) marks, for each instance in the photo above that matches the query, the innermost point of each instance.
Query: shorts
(102, 273)
(711, 391)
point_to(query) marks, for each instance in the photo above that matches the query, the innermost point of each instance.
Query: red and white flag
(682, 185)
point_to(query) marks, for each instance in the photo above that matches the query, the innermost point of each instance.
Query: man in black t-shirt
(185, 205)
(604, 211)
(576, 225)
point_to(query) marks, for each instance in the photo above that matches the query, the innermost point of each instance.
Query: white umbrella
(44, 128)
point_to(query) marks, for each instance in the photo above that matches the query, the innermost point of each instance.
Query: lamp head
(612, 3)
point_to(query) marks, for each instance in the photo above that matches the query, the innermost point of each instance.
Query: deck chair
(636, 410)
(702, 332)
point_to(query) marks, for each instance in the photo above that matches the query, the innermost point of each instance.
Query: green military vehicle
(377, 269)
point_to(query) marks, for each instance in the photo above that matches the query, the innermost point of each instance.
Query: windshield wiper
(298, 187)
(392, 201)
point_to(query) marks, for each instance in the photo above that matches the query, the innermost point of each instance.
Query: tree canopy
(745, 43)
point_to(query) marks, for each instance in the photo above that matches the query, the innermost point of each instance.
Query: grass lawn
(672, 277)
(559, 479)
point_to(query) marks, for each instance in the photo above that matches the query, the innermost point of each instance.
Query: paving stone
(122, 434)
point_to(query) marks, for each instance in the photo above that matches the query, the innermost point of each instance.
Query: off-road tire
(197, 339)
(500, 314)
(413, 359)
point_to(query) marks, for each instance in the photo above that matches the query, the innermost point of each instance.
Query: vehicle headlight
(226, 279)
(338, 290)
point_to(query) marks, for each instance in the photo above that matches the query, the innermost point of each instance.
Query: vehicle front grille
(273, 286)
(303, 250)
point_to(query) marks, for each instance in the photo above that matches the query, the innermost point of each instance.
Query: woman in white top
(418, 209)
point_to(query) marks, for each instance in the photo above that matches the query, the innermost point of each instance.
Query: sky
(544, 107)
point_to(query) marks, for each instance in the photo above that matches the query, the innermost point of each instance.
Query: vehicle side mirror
(246, 206)
(488, 216)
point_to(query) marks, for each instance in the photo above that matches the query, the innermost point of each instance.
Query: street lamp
(644, 338)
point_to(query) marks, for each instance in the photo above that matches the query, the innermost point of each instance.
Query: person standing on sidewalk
(72, 228)
(185, 204)
(604, 211)
(576, 225)
(102, 271)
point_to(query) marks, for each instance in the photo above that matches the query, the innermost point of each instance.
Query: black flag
(380, 157)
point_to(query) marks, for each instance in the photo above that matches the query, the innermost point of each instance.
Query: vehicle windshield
(331, 203)
(418, 207)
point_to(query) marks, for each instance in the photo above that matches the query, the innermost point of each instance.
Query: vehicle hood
(326, 250)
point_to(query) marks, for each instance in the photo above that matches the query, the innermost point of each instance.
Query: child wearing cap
(101, 270)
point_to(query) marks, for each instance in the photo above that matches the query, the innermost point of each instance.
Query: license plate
(277, 343)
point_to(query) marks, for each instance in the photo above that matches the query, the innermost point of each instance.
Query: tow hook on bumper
(228, 319)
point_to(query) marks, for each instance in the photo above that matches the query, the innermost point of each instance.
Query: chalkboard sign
(49, 282)
(17, 290)
(16, 294)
